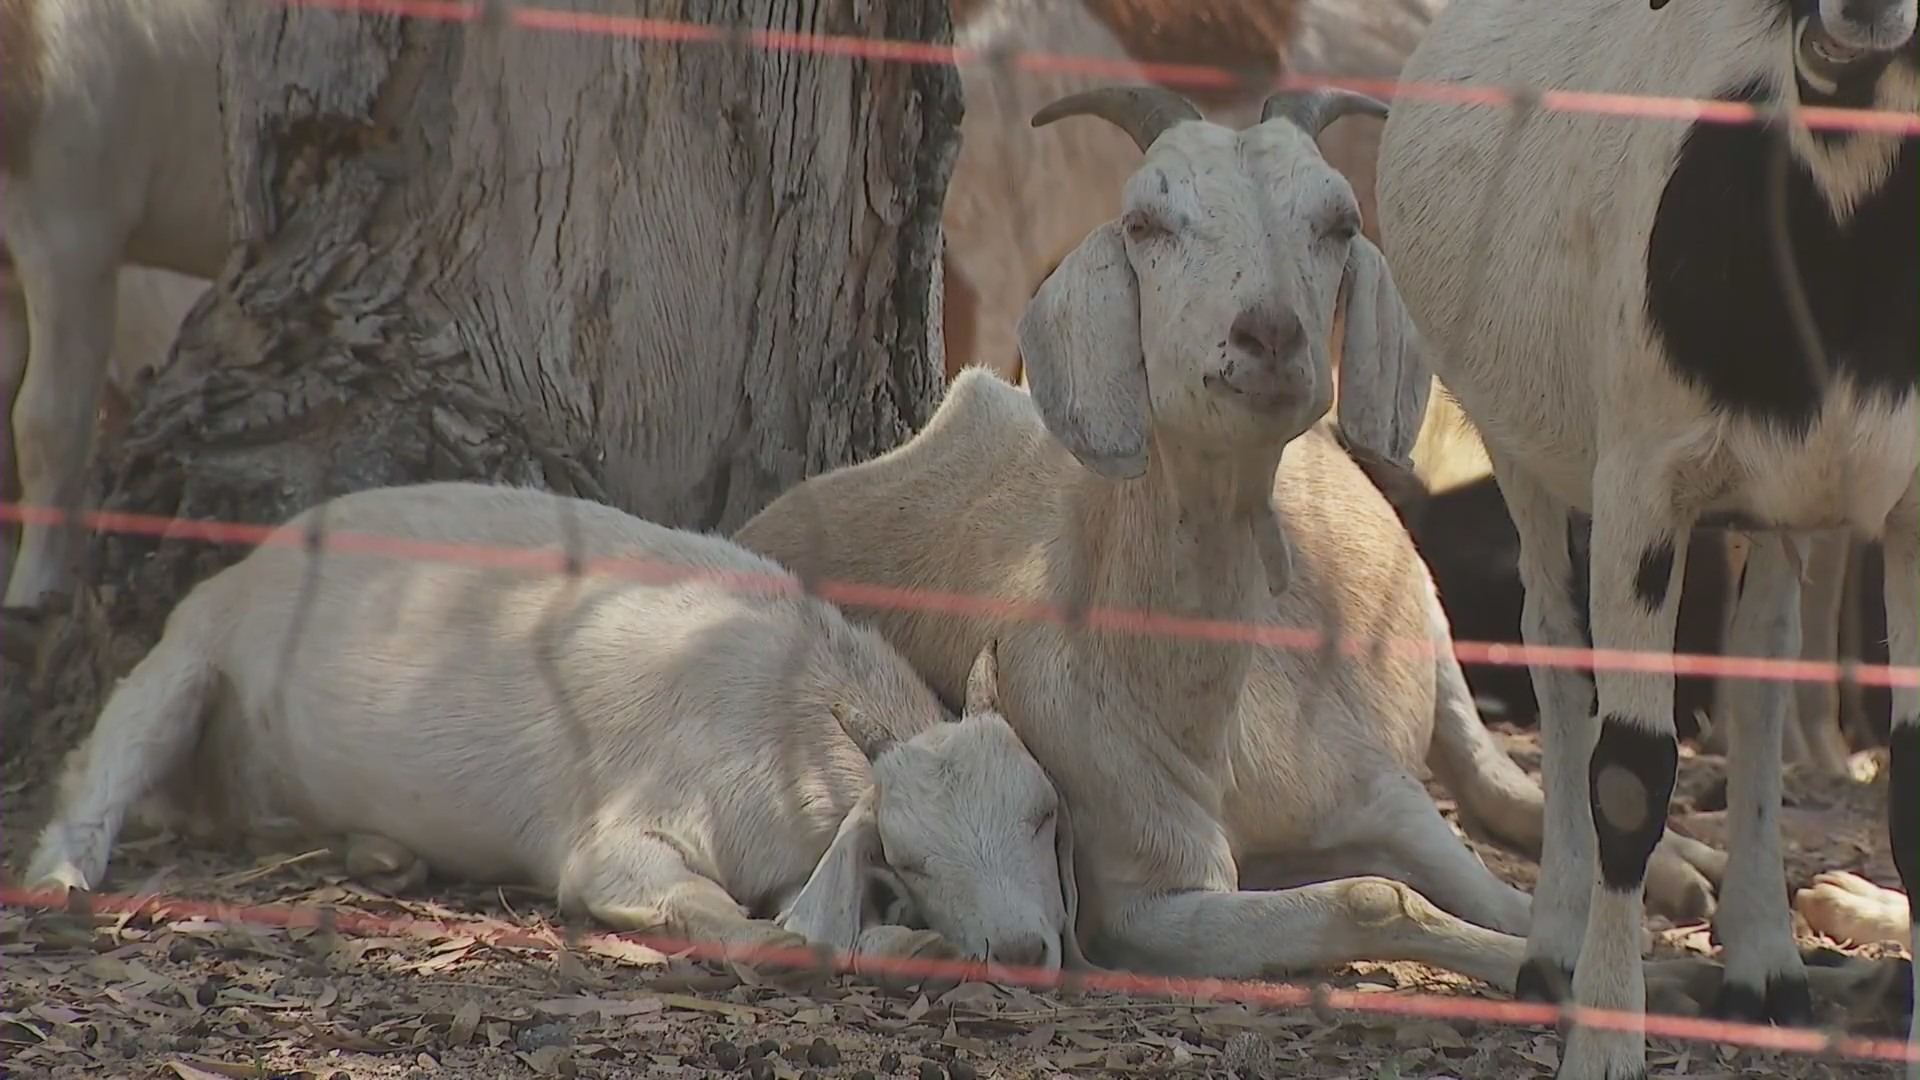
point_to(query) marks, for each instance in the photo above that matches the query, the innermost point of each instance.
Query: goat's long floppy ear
(828, 908)
(1080, 344)
(1071, 955)
(1383, 380)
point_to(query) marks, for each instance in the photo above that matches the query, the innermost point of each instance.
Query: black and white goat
(1605, 297)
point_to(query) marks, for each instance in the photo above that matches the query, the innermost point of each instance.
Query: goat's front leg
(634, 878)
(1902, 587)
(1320, 927)
(1549, 619)
(71, 284)
(1637, 558)
(1392, 828)
(1765, 979)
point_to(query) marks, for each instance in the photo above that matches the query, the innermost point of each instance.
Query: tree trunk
(676, 277)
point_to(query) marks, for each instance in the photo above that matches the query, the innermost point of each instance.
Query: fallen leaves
(470, 986)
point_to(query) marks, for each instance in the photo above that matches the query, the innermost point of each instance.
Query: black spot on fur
(1650, 581)
(1714, 294)
(1903, 803)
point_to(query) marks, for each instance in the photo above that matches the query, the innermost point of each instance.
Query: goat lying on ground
(1173, 357)
(691, 750)
(1607, 298)
(112, 152)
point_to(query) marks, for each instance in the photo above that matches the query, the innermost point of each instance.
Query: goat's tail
(1497, 798)
(148, 728)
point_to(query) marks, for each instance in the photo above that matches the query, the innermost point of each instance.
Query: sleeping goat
(691, 751)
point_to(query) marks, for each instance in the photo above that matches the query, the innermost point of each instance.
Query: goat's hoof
(1849, 908)
(1784, 1000)
(1598, 1054)
(774, 959)
(1544, 981)
(369, 856)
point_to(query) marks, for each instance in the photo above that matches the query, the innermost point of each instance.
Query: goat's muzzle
(1846, 33)
(1267, 361)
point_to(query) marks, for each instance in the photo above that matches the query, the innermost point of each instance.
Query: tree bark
(676, 277)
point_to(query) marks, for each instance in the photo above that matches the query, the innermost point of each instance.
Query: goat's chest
(1769, 284)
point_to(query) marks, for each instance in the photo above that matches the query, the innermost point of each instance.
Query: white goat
(1604, 297)
(112, 153)
(690, 751)
(1173, 356)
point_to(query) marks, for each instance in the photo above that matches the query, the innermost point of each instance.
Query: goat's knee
(1630, 783)
(1384, 905)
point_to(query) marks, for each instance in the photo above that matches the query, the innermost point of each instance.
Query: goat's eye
(1141, 225)
(910, 869)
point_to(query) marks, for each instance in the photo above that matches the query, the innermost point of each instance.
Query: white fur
(1019, 198)
(1130, 479)
(1535, 323)
(118, 117)
(660, 754)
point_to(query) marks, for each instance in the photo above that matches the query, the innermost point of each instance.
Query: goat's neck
(1178, 542)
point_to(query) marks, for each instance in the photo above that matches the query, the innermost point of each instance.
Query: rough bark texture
(676, 278)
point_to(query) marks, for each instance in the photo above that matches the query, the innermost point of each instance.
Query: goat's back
(484, 714)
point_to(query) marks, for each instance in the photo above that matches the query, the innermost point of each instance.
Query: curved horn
(1143, 112)
(1314, 109)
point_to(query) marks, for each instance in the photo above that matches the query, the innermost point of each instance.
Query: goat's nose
(1269, 335)
(1022, 950)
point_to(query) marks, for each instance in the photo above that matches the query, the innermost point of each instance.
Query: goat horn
(1313, 110)
(1144, 112)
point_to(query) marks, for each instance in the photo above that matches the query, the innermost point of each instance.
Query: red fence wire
(856, 594)
(1193, 76)
(862, 594)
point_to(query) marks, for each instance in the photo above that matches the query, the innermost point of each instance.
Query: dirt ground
(181, 997)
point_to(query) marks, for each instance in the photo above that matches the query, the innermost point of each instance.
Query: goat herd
(1603, 298)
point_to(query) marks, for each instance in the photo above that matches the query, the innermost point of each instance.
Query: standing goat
(1173, 357)
(659, 755)
(1607, 299)
(111, 153)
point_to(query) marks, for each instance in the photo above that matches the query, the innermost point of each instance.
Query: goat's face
(1237, 241)
(971, 836)
(965, 828)
(1204, 310)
